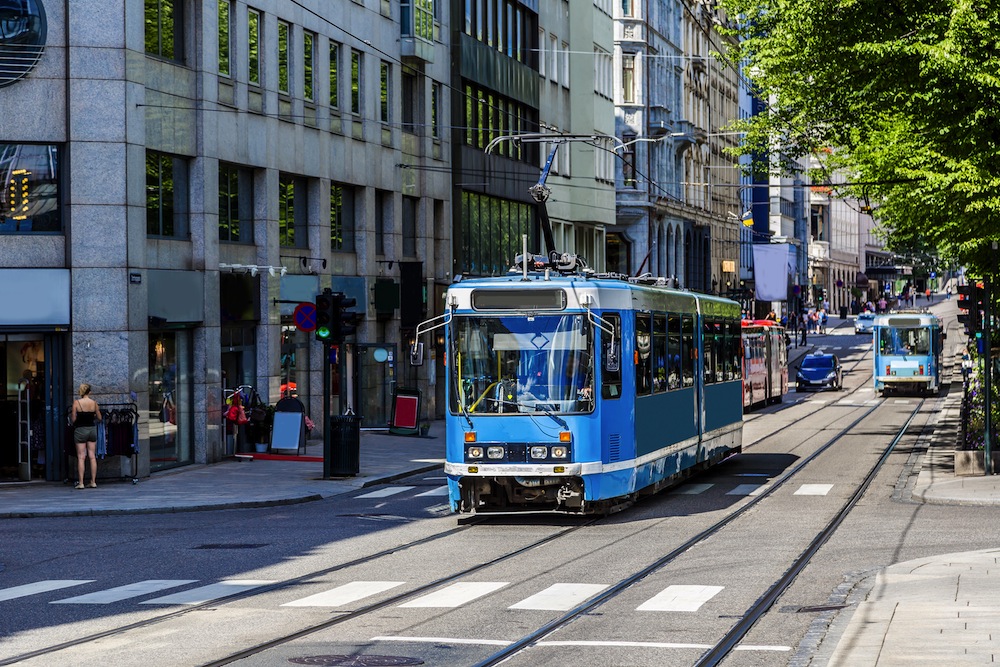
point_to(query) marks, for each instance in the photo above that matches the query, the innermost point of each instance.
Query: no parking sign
(304, 316)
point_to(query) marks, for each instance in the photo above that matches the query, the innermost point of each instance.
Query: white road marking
(813, 490)
(904, 401)
(692, 489)
(210, 592)
(560, 597)
(457, 594)
(439, 491)
(386, 492)
(40, 587)
(125, 592)
(442, 640)
(680, 598)
(346, 594)
(744, 490)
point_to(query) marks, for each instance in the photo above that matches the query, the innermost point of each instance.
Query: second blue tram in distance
(577, 393)
(908, 349)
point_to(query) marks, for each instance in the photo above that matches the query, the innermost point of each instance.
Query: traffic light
(347, 322)
(970, 304)
(327, 310)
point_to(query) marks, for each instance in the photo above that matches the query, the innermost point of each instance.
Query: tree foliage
(906, 92)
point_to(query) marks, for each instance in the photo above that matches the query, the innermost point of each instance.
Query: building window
(383, 218)
(436, 110)
(166, 195)
(225, 45)
(334, 76)
(564, 64)
(468, 17)
(341, 218)
(308, 55)
(356, 82)
(293, 208)
(165, 29)
(628, 78)
(283, 30)
(383, 109)
(491, 230)
(628, 7)
(410, 110)
(253, 46)
(29, 201)
(416, 19)
(410, 226)
(235, 204)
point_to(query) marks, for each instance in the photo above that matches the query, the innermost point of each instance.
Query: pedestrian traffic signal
(327, 309)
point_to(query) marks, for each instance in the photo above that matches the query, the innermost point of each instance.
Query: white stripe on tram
(40, 587)
(211, 592)
(125, 592)
(813, 490)
(386, 492)
(560, 597)
(346, 594)
(457, 594)
(680, 598)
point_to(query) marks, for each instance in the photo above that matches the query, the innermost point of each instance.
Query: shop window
(29, 199)
(170, 399)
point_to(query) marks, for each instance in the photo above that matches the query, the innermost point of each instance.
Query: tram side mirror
(612, 356)
(417, 354)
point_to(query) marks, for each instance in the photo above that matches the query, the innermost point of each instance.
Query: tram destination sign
(519, 299)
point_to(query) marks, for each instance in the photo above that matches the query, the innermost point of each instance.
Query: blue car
(819, 371)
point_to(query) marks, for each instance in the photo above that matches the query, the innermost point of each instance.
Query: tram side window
(732, 369)
(611, 381)
(673, 351)
(643, 366)
(712, 344)
(659, 353)
(689, 352)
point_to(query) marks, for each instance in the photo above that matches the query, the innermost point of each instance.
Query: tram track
(749, 618)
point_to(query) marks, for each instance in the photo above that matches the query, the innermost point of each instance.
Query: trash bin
(341, 457)
(843, 312)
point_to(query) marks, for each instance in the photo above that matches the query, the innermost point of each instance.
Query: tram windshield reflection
(518, 364)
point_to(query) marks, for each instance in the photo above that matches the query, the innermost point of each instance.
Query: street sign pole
(327, 423)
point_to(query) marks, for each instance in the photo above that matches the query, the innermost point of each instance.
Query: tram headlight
(558, 452)
(494, 452)
(539, 452)
(475, 452)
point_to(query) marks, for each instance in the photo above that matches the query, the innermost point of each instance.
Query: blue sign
(933, 274)
(304, 316)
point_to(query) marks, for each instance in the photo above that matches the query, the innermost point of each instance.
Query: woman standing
(86, 413)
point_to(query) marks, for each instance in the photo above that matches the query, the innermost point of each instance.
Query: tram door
(374, 382)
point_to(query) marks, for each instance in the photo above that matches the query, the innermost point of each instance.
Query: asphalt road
(304, 565)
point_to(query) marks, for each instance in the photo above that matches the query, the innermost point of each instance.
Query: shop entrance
(32, 420)
(374, 381)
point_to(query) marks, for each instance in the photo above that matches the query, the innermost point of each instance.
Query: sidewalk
(234, 483)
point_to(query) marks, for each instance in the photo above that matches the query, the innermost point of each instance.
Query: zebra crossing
(555, 597)
(748, 489)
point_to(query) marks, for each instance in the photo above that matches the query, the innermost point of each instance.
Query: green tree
(904, 92)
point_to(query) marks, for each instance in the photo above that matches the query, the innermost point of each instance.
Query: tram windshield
(904, 341)
(516, 364)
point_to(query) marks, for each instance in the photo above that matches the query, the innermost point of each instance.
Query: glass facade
(170, 399)
(29, 201)
(491, 230)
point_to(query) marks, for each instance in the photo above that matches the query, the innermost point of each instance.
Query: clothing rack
(245, 395)
(117, 434)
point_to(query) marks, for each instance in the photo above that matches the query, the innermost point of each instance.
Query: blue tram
(577, 393)
(908, 350)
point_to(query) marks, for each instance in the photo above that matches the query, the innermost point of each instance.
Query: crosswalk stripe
(559, 597)
(386, 492)
(457, 594)
(680, 598)
(903, 401)
(125, 592)
(210, 592)
(813, 490)
(693, 489)
(439, 491)
(744, 489)
(346, 594)
(40, 587)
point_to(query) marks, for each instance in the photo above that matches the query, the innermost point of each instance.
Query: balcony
(658, 119)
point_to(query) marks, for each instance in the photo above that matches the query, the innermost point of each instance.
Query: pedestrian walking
(85, 414)
(947, 293)
(803, 340)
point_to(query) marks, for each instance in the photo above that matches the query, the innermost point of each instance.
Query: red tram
(765, 363)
